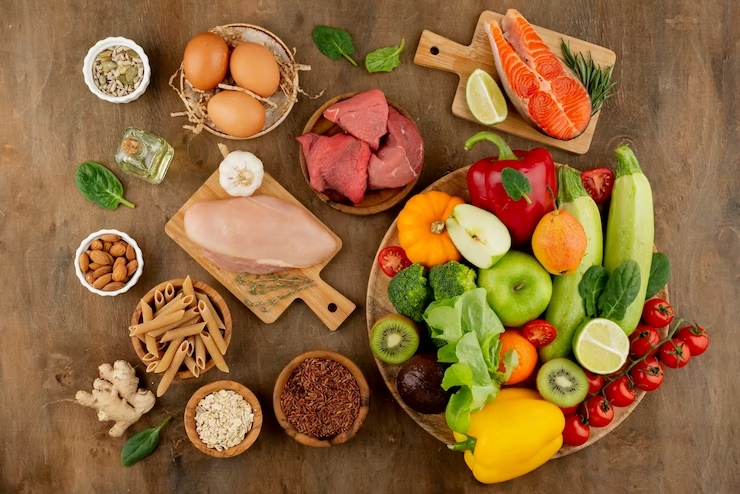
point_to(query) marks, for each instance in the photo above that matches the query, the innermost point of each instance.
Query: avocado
(419, 383)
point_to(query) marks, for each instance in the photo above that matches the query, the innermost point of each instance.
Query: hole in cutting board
(434, 50)
(332, 307)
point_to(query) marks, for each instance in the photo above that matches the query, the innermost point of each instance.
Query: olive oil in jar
(144, 155)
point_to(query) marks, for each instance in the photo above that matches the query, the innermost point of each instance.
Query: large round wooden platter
(378, 306)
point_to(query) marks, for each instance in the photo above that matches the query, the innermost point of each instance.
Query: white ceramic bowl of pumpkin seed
(116, 70)
(108, 262)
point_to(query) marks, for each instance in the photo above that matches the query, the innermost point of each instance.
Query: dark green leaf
(591, 286)
(620, 291)
(384, 59)
(334, 43)
(141, 444)
(98, 184)
(660, 272)
(516, 184)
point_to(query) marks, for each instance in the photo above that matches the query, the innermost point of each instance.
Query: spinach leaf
(334, 43)
(591, 286)
(660, 272)
(141, 444)
(98, 184)
(384, 59)
(620, 291)
(516, 184)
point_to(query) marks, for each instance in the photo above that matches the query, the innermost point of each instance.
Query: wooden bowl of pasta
(169, 296)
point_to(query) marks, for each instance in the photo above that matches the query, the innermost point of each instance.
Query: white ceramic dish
(102, 45)
(84, 246)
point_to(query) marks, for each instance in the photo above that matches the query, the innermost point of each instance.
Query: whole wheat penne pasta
(169, 292)
(191, 349)
(218, 359)
(146, 316)
(178, 303)
(204, 298)
(161, 345)
(200, 353)
(152, 365)
(141, 338)
(148, 358)
(212, 326)
(167, 308)
(169, 375)
(168, 356)
(157, 323)
(187, 289)
(192, 366)
(188, 319)
(158, 300)
(183, 332)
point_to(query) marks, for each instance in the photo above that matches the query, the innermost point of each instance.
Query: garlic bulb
(241, 173)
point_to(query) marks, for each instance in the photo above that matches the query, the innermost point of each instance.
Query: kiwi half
(562, 382)
(394, 339)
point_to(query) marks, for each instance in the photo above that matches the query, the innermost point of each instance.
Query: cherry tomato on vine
(696, 339)
(595, 382)
(393, 260)
(597, 411)
(644, 340)
(539, 333)
(570, 410)
(576, 431)
(647, 375)
(598, 183)
(657, 313)
(674, 353)
(620, 393)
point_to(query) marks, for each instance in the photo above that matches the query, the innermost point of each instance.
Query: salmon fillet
(543, 90)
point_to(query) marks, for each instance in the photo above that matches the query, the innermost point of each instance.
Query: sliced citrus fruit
(601, 346)
(485, 99)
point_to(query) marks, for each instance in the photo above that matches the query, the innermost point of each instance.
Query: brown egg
(236, 113)
(206, 61)
(254, 67)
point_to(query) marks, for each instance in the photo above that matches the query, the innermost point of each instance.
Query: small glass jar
(144, 155)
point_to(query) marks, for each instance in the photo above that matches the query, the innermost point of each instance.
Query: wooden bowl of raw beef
(374, 201)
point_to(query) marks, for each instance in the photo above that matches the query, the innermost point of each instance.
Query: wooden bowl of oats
(225, 402)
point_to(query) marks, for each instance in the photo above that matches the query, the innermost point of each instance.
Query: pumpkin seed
(131, 74)
(109, 65)
(132, 54)
(122, 79)
(105, 54)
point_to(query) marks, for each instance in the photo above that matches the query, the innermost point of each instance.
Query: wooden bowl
(251, 436)
(361, 415)
(198, 286)
(375, 201)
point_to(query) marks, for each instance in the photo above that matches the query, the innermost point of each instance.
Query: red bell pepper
(487, 190)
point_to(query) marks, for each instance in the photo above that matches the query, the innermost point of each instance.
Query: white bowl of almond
(108, 262)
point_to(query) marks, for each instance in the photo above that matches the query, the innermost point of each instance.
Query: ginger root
(116, 396)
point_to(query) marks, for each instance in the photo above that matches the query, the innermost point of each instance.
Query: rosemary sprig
(596, 80)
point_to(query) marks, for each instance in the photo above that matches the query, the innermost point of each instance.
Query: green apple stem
(520, 285)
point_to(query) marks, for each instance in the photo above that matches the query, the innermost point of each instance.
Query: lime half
(601, 346)
(485, 99)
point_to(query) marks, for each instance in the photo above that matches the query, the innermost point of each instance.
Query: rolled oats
(223, 419)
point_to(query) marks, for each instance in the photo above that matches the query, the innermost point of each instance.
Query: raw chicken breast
(364, 115)
(399, 160)
(258, 234)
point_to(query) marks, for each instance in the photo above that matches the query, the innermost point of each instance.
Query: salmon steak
(540, 86)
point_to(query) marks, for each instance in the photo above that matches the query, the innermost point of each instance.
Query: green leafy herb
(621, 289)
(384, 59)
(660, 272)
(141, 444)
(595, 79)
(516, 184)
(591, 286)
(334, 43)
(98, 184)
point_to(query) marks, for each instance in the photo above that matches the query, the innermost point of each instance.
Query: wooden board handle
(438, 52)
(331, 306)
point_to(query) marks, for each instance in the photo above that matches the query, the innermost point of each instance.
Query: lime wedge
(601, 346)
(485, 99)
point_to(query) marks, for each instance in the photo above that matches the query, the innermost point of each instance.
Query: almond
(89, 277)
(110, 258)
(107, 246)
(100, 257)
(102, 281)
(88, 252)
(130, 253)
(131, 267)
(94, 265)
(101, 271)
(84, 262)
(110, 237)
(118, 249)
(120, 261)
(96, 245)
(113, 286)
(119, 274)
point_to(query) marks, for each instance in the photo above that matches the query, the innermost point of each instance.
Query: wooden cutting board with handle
(438, 52)
(266, 295)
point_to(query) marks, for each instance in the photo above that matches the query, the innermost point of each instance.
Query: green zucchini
(566, 310)
(630, 230)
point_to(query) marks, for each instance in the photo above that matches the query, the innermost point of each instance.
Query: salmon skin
(542, 88)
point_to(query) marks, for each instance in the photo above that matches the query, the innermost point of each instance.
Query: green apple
(479, 235)
(517, 287)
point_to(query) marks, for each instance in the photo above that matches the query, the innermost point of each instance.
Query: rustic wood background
(678, 67)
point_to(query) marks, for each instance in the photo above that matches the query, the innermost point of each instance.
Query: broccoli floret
(451, 279)
(410, 293)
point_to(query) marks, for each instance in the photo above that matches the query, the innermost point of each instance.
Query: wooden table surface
(678, 67)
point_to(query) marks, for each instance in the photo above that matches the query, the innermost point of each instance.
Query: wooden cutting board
(267, 295)
(438, 52)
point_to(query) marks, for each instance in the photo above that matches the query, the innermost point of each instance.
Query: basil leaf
(384, 59)
(141, 444)
(620, 291)
(333, 42)
(516, 184)
(660, 272)
(591, 286)
(97, 184)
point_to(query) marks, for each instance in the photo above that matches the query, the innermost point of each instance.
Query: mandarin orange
(512, 339)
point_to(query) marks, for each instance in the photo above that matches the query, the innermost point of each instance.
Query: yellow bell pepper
(516, 433)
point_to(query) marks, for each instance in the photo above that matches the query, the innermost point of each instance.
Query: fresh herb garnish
(141, 444)
(591, 287)
(384, 59)
(660, 272)
(596, 80)
(98, 184)
(516, 184)
(620, 291)
(333, 42)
